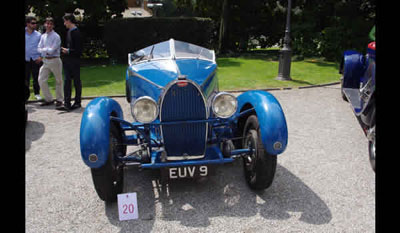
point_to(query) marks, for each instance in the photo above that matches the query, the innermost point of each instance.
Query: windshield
(186, 50)
(159, 50)
(171, 49)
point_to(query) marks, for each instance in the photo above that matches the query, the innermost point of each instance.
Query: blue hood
(162, 72)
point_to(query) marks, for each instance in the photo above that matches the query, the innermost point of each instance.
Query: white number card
(127, 206)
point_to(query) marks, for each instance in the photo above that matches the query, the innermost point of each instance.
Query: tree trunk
(223, 28)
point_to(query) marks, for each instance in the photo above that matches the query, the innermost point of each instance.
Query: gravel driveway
(323, 181)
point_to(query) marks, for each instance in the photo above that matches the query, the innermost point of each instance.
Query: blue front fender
(353, 69)
(95, 129)
(271, 119)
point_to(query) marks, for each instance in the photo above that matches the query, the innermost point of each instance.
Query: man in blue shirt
(33, 61)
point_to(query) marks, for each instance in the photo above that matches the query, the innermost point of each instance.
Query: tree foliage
(95, 10)
(96, 13)
(242, 20)
(319, 27)
(326, 28)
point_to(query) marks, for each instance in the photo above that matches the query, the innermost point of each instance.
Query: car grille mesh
(182, 104)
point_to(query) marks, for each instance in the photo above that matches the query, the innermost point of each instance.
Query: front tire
(108, 179)
(371, 149)
(341, 90)
(259, 167)
(127, 92)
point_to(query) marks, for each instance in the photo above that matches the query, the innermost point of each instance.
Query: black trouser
(32, 68)
(72, 72)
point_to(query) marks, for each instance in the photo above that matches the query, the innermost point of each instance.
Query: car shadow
(301, 82)
(33, 131)
(227, 62)
(78, 110)
(194, 202)
(140, 182)
(35, 106)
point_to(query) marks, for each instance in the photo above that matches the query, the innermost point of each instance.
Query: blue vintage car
(182, 123)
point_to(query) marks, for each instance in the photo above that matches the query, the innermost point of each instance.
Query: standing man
(33, 61)
(49, 47)
(71, 60)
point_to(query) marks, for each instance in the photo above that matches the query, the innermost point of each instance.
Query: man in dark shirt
(72, 53)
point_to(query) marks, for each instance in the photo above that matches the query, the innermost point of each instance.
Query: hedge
(123, 36)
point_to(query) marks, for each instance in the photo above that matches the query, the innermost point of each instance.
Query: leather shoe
(58, 103)
(45, 103)
(64, 108)
(76, 105)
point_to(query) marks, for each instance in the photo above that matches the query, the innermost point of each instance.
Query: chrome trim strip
(172, 48)
(195, 58)
(171, 58)
(130, 59)
(174, 158)
(132, 73)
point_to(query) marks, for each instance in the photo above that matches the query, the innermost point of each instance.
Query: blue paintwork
(95, 129)
(270, 116)
(196, 70)
(353, 69)
(161, 72)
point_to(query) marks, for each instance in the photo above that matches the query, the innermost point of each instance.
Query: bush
(336, 39)
(305, 40)
(331, 42)
(328, 28)
(93, 44)
(123, 36)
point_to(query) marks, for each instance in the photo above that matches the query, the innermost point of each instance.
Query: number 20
(128, 208)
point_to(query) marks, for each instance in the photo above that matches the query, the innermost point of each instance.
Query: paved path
(323, 181)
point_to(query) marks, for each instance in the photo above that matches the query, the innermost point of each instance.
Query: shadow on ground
(194, 202)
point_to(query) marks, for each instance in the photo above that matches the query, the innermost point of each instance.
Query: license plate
(188, 172)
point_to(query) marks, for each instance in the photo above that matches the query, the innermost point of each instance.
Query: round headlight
(224, 105)
(144, 110)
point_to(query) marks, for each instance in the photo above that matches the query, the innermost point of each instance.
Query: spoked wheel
(259, 166)
(108, 179)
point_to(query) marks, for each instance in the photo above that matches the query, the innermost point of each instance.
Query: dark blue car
(182, 122)
(358, 87)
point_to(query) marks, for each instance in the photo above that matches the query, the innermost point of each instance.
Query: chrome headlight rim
(140, 99)
(214, 102)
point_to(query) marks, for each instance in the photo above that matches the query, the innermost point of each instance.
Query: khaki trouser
(54, 66)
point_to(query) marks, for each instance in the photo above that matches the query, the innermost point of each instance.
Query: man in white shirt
(49, 48)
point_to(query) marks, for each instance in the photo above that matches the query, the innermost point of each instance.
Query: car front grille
(183, 103)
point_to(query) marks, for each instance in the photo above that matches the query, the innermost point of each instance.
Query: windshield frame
(141, 55)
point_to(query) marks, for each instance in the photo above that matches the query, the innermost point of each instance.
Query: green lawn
(103, 80)
(233, 74)
(98, 80)
(250, 73)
